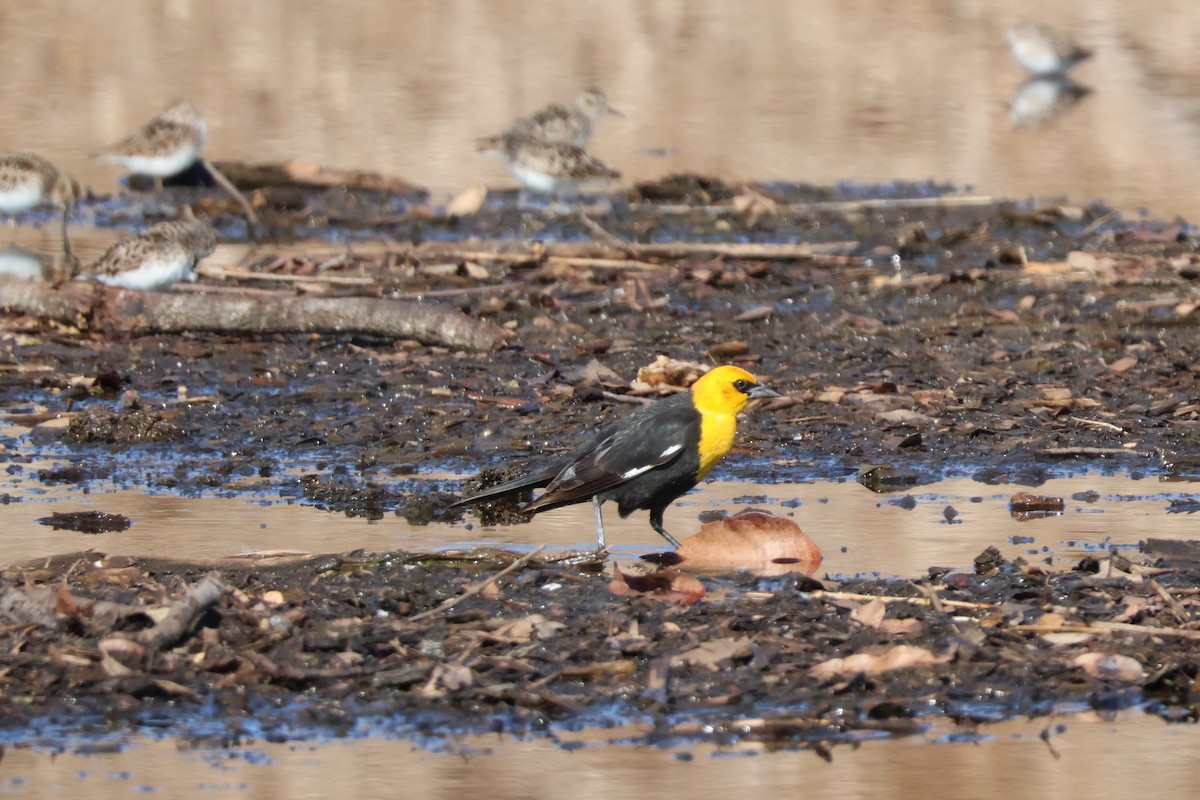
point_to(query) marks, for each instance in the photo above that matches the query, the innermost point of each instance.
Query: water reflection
(902, 533)
(1042, 99)
(815, 90)
(995, 761)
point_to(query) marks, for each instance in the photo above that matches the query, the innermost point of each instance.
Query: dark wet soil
(912, 339)
(406, 644)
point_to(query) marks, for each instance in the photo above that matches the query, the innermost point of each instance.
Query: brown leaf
(755, 314)
(1123, 364)
(725, 350)
(711, 653)
(474, 271)
(904, 416)
(173, 689)
(902, 627)
(1110, 666)
(670, 372)
(594, 372)
(1025, 502)
(120, 657)
(468, 202)
(64, 603)
(529, 627)
(668, 585)
(450, 677)
(752, 540)
(902, 656)
(870, 613)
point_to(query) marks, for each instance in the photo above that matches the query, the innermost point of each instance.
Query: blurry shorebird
(28, 181)
(552, 168)
(1044, 50)
(160, 256)
(164, 146)
(573, 123)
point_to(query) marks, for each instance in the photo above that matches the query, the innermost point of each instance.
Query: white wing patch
(666, 454)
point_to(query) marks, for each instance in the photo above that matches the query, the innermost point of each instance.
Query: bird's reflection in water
(1043, 99)
(18, 263)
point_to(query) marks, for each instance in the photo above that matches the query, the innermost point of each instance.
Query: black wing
(647, 439)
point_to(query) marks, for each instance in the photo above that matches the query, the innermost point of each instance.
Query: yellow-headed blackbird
(648, 458)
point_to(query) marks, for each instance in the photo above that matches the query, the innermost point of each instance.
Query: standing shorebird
(28, 181)
(571, 124)
(1044, 50)
(549, 167)
(167, 145)
(164, 146)
(160, 256)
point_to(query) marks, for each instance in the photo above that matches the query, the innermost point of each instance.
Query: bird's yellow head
(726, 390)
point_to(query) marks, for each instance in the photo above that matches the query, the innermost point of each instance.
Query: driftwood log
(184, 613)
(304, 174)
(124, 312)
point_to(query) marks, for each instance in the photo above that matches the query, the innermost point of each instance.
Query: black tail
(535, 481)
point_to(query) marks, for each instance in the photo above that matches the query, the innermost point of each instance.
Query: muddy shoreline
(914, 337)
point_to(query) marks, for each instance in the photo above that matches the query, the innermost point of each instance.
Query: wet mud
(915, 334)
(417, 645)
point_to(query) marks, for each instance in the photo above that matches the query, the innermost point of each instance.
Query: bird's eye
(742, 385)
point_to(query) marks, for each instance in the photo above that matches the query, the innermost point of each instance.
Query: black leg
(656, 522)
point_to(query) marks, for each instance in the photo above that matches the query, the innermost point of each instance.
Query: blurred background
(804, 90)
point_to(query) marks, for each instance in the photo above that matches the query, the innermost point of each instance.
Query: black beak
(760, 392)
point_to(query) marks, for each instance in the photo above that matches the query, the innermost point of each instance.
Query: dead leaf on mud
(902, 627)
(904, 416)
(533, 626)
(755, 314)
(1110, 666)
(754, 207)
(668, 585)
(902, 656)
(468, 202)
(448, 678)
(1026, 506)
(870, 613)
(711, 654)
(726, 350)
(1123, 364)
(671, 372)
(754, 540)
(120, 656)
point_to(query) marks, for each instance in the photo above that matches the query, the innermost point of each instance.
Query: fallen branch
(1100, 626)
(125, 312)
(1091, 452)
(223, 273)
(479, 587)
(183, 613)
(843, 206)
(227, 185)
(309, 174)
(621, 252)
(823, 594)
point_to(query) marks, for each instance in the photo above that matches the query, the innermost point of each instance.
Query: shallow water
(858, 531)
(1004, 760)
(815, 90)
